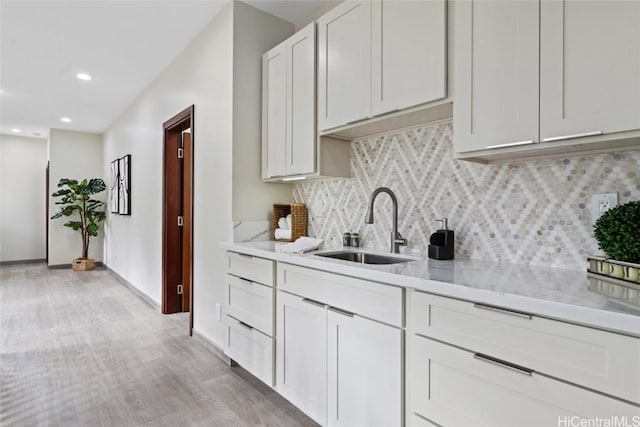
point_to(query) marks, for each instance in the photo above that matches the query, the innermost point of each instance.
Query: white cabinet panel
(301, 101)
(600, 360)
(451, 387)
(496, 73)
(590, 67)
(251, 349)
(369, 299)
(251, 268)
(301, 354)
(364, 372)
(250, 302)
(344, 64)
(409, 53)
(274, 111)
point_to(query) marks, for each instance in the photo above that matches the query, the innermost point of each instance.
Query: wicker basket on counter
(298, 213)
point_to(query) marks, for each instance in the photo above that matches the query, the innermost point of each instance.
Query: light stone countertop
(550, 292)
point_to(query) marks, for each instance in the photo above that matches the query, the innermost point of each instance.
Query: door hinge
(180, 153)
(180, 221)
(179, 289)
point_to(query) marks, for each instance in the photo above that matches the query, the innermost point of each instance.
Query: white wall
(203, 75)
(23, 162)
(73, 155)
(255, 32)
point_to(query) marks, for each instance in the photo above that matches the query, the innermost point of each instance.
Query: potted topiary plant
(76, 200)
(618, 235)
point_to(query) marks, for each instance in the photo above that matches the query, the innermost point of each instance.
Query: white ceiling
(124, 45)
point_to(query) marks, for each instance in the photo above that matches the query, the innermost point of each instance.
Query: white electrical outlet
(600, 203)
(218, 312)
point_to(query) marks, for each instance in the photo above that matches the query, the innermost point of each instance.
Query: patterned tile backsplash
(533, 212)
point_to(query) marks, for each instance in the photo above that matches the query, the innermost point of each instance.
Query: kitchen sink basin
(364, 258)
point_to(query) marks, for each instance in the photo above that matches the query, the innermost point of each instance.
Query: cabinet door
(301, 354)
(590, 67)
(364, 372)
(496, 74)
(409, 53)
(344, 64)
(301, 101)
(274, 111)
(454, 387)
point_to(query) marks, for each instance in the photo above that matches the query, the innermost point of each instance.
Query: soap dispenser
(441, 246)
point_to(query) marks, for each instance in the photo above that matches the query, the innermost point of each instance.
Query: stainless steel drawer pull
(244, 325)
(246, 282)
(503, 310)
(243, 255)
(337, 310)
(511, 144)
(507, 365)
(313, 302)
(575, 135)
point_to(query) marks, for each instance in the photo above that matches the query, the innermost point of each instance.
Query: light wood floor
(80, 349)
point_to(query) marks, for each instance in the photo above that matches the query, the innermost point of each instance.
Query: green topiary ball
(618, 232)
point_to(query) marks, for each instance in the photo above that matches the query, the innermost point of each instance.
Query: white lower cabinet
(473, 364)
(454, 387)
(364, 372)
(337, 366)
(250, 348)
(301, 354)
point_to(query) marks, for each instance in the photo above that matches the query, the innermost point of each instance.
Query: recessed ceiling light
(16, 130)
(65, 119)
(83, 76)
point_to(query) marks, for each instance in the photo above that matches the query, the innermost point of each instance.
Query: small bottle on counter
(355, 240)
(346, 239)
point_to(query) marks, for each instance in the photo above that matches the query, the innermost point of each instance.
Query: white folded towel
(303, 244)
(282, 223)
(282, 234)
(288, 220)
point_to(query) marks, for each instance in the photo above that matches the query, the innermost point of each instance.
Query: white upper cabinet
(274, 111)
(589, 68)
(301, 101)
(288, 106)
(409, 53)
(344, 64)
(496, 75)
(546, 77)
(375, 57)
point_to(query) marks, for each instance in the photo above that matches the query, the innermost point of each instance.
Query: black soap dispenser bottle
(441, 242)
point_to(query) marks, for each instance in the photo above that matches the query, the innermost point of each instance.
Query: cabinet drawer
(250, 302)
(368, 299)
(451, 387)
(604, 361)
(251, 349)
(251, 268)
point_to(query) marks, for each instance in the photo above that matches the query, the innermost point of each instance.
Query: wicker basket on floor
(83, 264)
(298, 213)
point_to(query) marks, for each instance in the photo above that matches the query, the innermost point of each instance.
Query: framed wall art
(124, 185)
(115, 185)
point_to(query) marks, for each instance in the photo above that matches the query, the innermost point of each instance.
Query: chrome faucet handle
(399, 240)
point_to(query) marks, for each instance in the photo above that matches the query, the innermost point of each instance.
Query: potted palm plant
(76, 201)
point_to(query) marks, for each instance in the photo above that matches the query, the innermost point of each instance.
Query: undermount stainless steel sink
(364, 258)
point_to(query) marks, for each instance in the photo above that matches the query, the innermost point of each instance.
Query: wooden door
(364, 371)
(590, 68)
(344, 64)
(177, 254)
(301, 355)
(409, 45)
(496, 74)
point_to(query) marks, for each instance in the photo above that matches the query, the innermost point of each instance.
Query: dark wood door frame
(177, 266)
